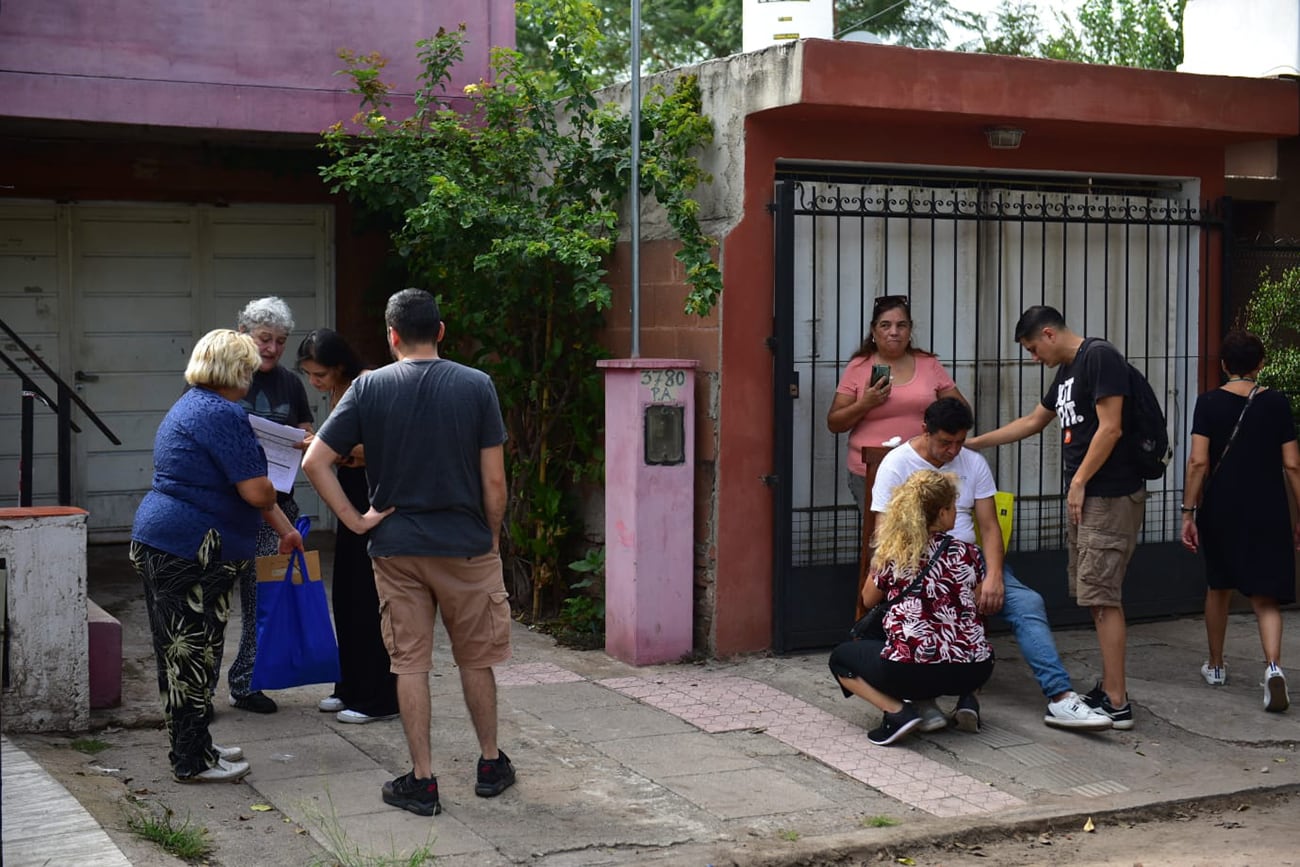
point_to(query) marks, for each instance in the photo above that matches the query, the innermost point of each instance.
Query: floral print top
(938, 622)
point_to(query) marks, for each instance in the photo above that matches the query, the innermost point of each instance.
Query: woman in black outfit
(1243, 458)
(367, 690)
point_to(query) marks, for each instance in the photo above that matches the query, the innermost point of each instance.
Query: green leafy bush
(1273, 314)
(503, 200)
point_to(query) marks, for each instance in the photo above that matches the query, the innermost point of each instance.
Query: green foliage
(788, 836)
(185, 841)
(879, 822)
(89, 746)
(346, 853)
(1273, 314)
(582, 615)
(681, 32)
(1144, 33)
(504, 201)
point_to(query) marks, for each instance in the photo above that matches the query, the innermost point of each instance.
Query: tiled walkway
(720, 703)
(715, 702)
(44, 824)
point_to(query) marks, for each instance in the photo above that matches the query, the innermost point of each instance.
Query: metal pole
(636, 178)
(26, 437)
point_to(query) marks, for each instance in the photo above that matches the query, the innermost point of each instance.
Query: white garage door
(113, 298)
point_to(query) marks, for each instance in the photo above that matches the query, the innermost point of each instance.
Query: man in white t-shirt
(940, 446)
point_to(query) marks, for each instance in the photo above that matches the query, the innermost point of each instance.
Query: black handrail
(62, 406)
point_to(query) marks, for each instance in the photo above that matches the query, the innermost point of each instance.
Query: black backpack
(1145, 432)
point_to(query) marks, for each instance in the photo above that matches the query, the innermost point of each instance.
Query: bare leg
(864, 690)
(1270, 627)
(1112, 635)
(1216, 623)
(413, 701)
(480, 688)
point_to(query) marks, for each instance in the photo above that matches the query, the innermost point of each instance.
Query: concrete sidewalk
(759, 760)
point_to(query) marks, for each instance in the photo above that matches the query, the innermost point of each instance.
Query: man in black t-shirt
(1105, 493)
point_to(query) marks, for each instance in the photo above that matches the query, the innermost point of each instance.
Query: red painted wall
(885, 105)
(238, 64)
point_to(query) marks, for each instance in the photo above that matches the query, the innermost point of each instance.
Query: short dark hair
(1035, 319)
(950, 415)
(1241, 352)
(327, 348)
(413, 314)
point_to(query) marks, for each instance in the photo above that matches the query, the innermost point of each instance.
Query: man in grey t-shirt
(433, 439)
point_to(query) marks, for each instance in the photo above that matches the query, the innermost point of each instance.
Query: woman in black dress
(1243, 459)
(367, 690)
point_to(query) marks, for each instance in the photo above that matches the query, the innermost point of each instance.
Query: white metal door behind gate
(114, 296)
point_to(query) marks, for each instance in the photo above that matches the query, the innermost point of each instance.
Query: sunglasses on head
(885, 302)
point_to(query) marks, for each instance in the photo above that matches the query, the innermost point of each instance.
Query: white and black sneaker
(1215, 675)
(224, 772)
(1276, 699)
(1072, 712)
(1120, 717)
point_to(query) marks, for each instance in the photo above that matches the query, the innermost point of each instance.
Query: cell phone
(879, 372)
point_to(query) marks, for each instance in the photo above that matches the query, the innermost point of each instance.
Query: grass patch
(89, 746)
(879, 822)
(345, 853)
(788, 836)
(186, 841)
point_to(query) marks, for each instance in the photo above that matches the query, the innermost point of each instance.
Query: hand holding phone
(879, 372)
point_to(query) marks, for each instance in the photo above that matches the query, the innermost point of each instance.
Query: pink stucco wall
(259, 65)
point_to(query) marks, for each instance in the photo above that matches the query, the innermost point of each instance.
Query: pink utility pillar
(649, 508)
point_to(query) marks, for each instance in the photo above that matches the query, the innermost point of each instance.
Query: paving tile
(325, 754)
(616, 723)
(395, 834)
(318, 799)
(675, 755)
(751, 792)
(542, 699)
(533, 673)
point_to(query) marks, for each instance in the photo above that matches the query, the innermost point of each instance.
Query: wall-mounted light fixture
(1004, 138)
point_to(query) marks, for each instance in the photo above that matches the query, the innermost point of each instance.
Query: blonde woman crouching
(934, 637)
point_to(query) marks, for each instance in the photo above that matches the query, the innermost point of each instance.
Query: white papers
(278, 441)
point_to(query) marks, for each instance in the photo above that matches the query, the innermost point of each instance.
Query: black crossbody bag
(872, 625)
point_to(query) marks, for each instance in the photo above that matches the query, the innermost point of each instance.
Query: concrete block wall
(47, 682)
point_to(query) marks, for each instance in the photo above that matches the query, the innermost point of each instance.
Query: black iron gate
(1121, 259)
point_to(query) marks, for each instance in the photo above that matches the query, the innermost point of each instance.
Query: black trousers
(187, 641)
(907, 680)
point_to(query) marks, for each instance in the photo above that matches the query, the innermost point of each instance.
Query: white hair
(269, 312)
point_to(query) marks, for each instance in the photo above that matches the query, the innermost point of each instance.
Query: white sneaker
(230, 754)
(1275, 697)
(1071, 713)
(224, 772)
(333, 704)
(1215, 675)
(932, 719)
(356, 717)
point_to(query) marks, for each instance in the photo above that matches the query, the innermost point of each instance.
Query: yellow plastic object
(1004, 503)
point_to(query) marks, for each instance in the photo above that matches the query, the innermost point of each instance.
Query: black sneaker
(1120, 717)
(409, 793)
(895, 726)
(967, 715)
(257, 702)
(494, 777)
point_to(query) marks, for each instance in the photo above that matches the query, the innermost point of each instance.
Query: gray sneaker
(1071, 712)
(932, 719)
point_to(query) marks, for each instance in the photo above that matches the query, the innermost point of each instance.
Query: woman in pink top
(891, 408)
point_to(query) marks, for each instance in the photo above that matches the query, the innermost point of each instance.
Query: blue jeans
(1023, 608)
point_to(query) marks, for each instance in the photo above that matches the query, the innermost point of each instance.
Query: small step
(104, 634)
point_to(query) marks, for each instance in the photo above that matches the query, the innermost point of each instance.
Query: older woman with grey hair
(277, 394)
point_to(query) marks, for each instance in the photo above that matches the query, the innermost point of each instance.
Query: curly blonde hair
(904, 529)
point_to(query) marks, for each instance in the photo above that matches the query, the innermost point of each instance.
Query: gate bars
(1120, 259)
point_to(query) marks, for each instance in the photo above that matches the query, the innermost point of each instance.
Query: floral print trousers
(188, 603)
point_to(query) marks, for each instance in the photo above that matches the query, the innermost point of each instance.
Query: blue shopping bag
(295, 638)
